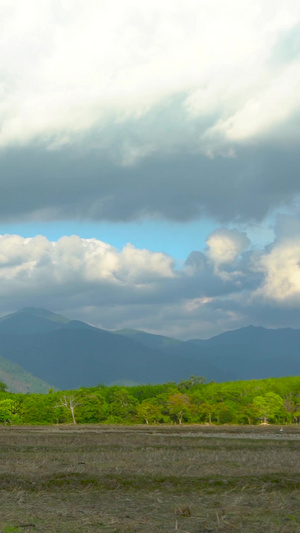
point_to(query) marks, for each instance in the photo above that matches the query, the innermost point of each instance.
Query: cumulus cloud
(74, 259)
(279, 264)
(224, 248)
(227, 285)
(281, 268)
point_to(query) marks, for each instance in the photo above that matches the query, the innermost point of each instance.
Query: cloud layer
(68, 67)
(122, 110)
(91, 280)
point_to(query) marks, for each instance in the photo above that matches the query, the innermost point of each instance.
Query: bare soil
(193, 479)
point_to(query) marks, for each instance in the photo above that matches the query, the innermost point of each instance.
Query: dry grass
(149, 479)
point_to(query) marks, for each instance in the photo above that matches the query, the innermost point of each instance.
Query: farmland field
(193, 479)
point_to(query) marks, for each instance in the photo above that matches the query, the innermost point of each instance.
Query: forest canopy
(274, 400)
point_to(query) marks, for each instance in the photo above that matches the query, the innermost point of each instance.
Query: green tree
(269, 406)
(248, 414)
(206, 411)
(92, 409)
(161, 401)
(37, 408)
(179, 406)
(225, 414)
(149, 412)
(193, 381)
(8, 411)
(3, 387)
(122, 406)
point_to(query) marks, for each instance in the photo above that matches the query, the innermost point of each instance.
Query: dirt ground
(193, 479)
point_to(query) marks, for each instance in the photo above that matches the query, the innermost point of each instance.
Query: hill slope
(18, 380)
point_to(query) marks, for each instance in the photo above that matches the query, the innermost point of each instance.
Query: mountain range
(40, 349)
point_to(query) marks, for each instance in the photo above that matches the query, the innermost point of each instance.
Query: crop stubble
(67, 479)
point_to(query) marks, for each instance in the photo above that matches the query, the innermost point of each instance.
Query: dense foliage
(275, 400)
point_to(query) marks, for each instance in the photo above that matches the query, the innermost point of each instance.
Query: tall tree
(69, 402)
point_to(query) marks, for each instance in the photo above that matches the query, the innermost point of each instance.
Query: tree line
(274, 400)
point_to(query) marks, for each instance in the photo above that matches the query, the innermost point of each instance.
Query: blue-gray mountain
(71, 354)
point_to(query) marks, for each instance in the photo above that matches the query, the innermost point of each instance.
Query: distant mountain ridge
(29, 321)
(72, 354)
(255, 352)
(251, 352)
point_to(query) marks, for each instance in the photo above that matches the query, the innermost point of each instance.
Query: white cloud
(281, 267)
(224, 248)
(67, 67)
(271, 104)
(74, 260)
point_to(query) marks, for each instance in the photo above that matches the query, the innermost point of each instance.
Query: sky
(150, 162)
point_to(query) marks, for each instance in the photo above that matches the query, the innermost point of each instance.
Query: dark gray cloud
(52, 185)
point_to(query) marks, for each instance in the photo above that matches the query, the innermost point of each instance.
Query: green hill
(18, 380)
